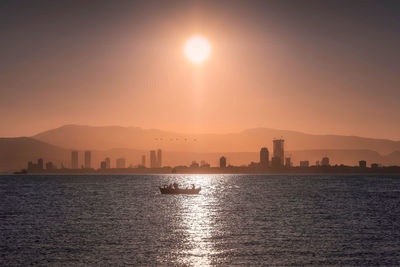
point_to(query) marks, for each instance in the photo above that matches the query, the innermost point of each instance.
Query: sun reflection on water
(197, 220)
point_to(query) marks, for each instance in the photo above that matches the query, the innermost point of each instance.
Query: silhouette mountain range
(180, 149)
(251, 140)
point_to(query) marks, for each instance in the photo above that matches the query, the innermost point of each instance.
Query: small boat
(175, 190)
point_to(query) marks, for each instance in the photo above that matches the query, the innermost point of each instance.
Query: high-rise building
(74, 159)
(362, 164)
(108, 163)
(40, 164)
(153, 159)
(144, 160)
(264, 157)
(159, 158)
(222, 162)
(325, 162)
(120, 163)
(88, 159)
(279, 151)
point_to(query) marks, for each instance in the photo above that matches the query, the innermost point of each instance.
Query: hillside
(16, 152)
(109, 137)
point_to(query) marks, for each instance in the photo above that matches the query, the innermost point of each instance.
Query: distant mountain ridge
(108, 137)
(16, 152)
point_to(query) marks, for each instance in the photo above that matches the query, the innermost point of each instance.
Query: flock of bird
(175, 139)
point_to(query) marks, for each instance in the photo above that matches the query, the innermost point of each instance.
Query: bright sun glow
(197, 49)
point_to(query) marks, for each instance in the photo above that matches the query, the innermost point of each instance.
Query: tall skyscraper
(144, 160)
(153, 159)
(264, 157)
(88, 159)
(40, 164)
(120, 163)
(108, 162)
(74, 159)
(222, 162)
(279, 150)
(159, 158)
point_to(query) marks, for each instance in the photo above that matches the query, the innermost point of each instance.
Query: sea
(243, 220)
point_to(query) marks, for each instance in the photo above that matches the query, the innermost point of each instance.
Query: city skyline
(181, 149)
(278, 162)
(204, 167)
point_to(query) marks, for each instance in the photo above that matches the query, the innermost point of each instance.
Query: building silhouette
(153, 159)
(35, 166)
(264, 157)
(40, 164)
(88, 159)
(108, 163)
(325, 162)
(288, 162)
(222, 162)
(74, 159)
(144, 160)
(159, 158)
(362, 164)
(279, 152)
(304, 163)
(50, 166)
(194, 164)
(204, 164)
(103, 165)
(120, 163)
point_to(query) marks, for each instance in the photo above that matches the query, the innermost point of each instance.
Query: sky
(322, 67)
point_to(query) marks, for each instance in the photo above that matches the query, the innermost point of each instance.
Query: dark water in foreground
(237, 219)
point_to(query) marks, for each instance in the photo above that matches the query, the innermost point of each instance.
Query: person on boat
(193, 186)
(176, 186)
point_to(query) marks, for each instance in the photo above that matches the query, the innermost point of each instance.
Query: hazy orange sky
(304, 65)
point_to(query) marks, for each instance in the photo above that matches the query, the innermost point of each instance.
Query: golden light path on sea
(197, 219)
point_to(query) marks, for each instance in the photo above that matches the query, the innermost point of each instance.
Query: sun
(197, 49)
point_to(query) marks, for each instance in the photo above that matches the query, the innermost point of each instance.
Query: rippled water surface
(237, 219)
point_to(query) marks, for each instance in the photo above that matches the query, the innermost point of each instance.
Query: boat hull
(172, 191)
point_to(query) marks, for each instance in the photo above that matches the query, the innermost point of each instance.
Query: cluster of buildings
(120, 163)
(275, 162)
(155, 159)
(278, 159)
